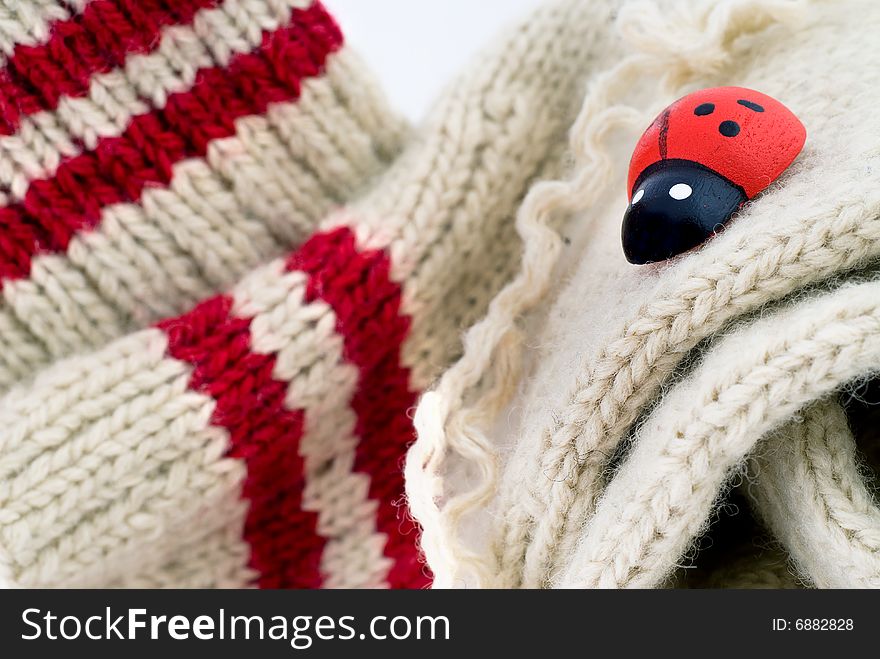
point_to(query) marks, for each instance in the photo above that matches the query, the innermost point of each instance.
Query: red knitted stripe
(119, 168)
(93, 42)
(367, 306)
(285, 548)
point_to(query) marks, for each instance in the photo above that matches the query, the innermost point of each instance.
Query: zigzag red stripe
(93, 42)
(366, 302)
(119, 168)
(285, 548)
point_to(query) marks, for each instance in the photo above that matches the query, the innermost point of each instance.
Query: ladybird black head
(675, 206)
(698, 162)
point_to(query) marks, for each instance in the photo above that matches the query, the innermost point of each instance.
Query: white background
(416, 46)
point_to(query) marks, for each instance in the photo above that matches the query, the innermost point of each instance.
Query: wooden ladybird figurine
(698, 163)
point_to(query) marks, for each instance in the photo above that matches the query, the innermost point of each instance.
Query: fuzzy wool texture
(609, 450)
(236, 289)
(811, 488)
(256, 439)
(122, 243)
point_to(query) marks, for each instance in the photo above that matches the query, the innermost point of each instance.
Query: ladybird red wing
(748, 137)
(647, 149)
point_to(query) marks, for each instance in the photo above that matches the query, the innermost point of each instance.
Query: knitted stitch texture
(613, 471)
(583, 431)
(151, 153)
(809, 486)
(257, 439)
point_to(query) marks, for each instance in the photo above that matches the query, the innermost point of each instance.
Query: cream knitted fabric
(590, 495)
(685, 450)
(596, 414)
(151, 154)
(257, 438)
(808, 487)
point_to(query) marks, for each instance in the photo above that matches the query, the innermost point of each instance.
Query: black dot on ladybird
(704, 108)
(750, 105)
(729, 128)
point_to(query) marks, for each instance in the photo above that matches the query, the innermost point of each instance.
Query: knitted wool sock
(609, 341)
(685, 451)
(153, 152)
(258, 438)
(809, 487)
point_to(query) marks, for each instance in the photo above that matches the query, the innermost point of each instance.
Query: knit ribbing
(119, 168)
(95, 41)
(338, 320)
(250, 401)
(115, 95)
(199, 147)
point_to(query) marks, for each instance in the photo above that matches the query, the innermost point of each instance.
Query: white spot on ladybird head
(638, 195)
(680, 191)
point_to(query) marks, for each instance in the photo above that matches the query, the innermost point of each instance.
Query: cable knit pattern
(151, 153)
